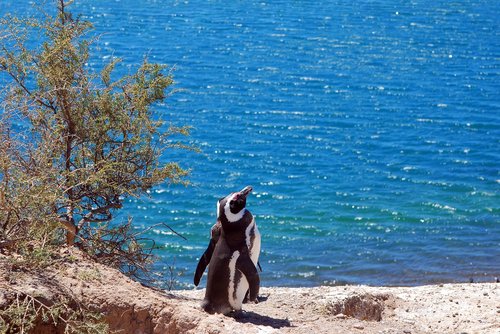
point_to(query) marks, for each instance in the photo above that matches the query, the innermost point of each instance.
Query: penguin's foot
(255, 301)
(247, 300)
(262, 298)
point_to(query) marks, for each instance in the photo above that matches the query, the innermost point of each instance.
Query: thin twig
(163, 224)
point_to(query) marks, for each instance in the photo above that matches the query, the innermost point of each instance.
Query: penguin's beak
(245, 191)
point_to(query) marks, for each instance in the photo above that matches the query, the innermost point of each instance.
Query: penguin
(232, 256)
(253, 241)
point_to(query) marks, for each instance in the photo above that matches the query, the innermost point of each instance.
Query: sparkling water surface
(369, 130)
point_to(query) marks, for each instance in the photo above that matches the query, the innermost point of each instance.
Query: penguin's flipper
(207, 256)
(203, 263)
(258, 264)
(246, 266)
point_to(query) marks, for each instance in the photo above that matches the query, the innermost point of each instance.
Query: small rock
(343, 316)
(358, 327)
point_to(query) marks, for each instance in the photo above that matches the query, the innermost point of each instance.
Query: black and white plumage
(231, 256)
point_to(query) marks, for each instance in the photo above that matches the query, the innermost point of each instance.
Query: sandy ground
(129, 307)
(450, 308)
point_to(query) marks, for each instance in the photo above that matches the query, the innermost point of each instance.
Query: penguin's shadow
(260, 320)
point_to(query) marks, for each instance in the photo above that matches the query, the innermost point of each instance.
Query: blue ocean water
(370, 131)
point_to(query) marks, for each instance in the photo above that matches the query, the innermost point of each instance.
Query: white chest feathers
(238, 290)
(252, 238)
(234, 291)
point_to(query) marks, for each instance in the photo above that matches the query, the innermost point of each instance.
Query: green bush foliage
(86, 142)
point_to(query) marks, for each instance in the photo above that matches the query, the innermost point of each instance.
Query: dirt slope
(132, 308)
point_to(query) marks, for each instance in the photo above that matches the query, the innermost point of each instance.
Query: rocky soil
(449, 308)
(130, 307)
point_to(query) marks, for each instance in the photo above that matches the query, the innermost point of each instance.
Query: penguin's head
(233, 205)
(238, 200)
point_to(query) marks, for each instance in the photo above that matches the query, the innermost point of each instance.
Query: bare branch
(21, 84)
(161, 224)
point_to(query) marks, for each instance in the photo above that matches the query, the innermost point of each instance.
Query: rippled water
(370, 132)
